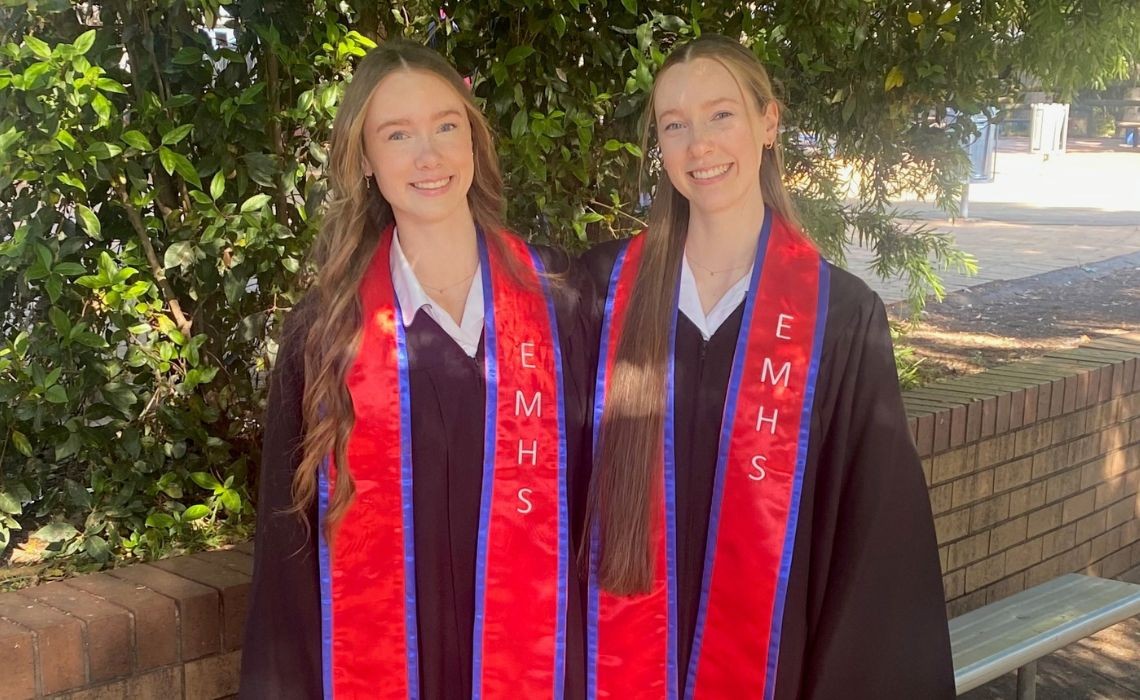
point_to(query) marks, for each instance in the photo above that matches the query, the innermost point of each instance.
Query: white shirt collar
(689, 301)
(412, 298)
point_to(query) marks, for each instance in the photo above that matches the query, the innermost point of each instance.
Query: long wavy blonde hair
(354, 219)
(627, 460)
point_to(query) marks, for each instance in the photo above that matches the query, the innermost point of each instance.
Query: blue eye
(672, 126)
(397, 136)
(449, 126)
(722, 115)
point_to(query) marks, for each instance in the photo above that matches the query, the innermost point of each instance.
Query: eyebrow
(706, 105)
(435, 117)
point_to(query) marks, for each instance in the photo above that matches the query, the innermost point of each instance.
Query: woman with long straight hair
(759, 524)
(425, 423)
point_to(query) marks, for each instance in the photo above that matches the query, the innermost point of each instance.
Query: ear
(771, 121)
(365, 167)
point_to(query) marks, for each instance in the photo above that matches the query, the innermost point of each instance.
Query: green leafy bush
(159, 190)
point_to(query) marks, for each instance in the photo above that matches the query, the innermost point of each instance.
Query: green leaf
(59, 320)
(894, 79)
(70, 269)
(103, 151)
(71, 181)
(517, 54)
(949, 14)
(102, 107)
(22, 444)
(85, 41)
(8, 502)
(56, 532)
(519, 124)
(56, 394)
(261, 168)
(178, 254)
(231, 501)
(195, 512)
(176, 134)
(109, 85)
(97, 548)
(172, 162)
(8, 138)
(254, 203)
(291, 264)
(188, 56)
(137, 139)
(39, 47)
(119, 395)
(35, 72)
(218, 186)
(54, 287)
(206, 481)
(915, 18)
(160, 520)
(630, 6)
(90, 221)
(91, 340)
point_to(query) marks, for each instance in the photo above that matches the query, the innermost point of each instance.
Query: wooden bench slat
(1010, 633)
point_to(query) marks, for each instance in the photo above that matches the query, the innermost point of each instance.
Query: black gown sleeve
(281, 652)
(880, 630)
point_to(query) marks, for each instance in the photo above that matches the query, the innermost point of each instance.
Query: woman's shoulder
(598, 261)
(850, 298)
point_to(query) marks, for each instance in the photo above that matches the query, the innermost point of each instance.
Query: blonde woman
(424, 426)
(759, 522)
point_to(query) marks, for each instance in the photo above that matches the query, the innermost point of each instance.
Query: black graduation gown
(281, 658)
(865, 614)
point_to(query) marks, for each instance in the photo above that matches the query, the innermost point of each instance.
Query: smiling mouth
(710, 173)
(432, 184)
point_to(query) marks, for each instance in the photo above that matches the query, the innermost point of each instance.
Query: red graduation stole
(368, 591)
(632, 640)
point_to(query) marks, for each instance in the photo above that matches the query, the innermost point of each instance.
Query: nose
(428, 156)
(699, 142)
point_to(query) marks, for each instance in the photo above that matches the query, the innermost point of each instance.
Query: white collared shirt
(689, 301)
(412, 298)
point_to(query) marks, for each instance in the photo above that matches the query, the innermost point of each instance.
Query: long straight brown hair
(628, 459)
(355, 217)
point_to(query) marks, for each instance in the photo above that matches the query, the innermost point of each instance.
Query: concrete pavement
(1039, 215)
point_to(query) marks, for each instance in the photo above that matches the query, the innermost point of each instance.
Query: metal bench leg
(1027, 681)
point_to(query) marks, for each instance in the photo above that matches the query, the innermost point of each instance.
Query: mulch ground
(1000, 322)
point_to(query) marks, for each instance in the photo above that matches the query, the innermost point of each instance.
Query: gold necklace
(441, 290)
(712, 272)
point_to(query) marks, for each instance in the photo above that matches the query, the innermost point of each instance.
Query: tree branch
(184, 324)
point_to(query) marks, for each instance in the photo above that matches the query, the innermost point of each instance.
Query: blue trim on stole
(670, 467)
(563, 504)
(326, 580)
(491, 372)
(801, 467)
(599, 400)
(411, 621)
(728, 421)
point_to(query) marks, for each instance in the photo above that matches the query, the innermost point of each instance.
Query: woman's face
(417, 142)
(711, 135)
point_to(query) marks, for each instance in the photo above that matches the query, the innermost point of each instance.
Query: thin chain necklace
(714, 273)
(441, 290)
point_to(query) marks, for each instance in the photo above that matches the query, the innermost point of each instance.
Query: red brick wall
(171, 629)
(1034, 470)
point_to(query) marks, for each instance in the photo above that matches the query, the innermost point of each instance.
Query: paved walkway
(1039, 215)
(1074, 209)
